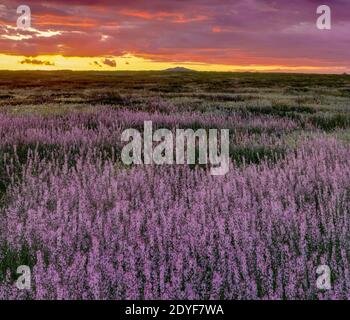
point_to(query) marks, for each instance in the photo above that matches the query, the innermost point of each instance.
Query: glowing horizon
(129, 62)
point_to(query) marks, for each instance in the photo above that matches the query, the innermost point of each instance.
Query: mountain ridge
(179, 69)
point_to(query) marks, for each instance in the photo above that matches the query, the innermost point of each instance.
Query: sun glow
(129, 62)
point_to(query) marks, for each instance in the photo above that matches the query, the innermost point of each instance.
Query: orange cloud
(56, 20)
(172, 16)
(216, 29)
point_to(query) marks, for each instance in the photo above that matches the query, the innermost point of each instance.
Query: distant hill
(179, 69)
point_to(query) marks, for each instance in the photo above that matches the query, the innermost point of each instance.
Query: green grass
(256, 154)
(329, 122)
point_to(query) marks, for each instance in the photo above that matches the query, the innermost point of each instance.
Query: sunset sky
(213, 35)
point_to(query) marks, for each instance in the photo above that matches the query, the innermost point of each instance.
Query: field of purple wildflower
(90, 227)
